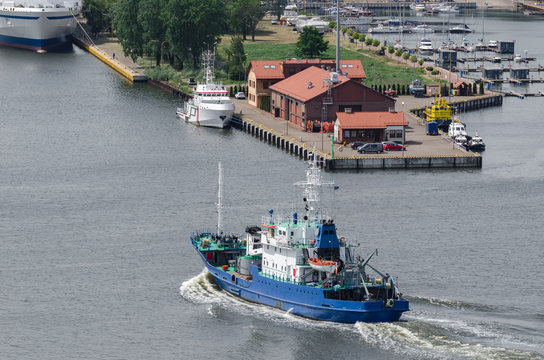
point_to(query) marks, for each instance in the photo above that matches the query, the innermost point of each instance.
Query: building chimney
(334, 77)
(310, 85)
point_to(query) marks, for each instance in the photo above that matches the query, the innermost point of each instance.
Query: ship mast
(219, 198)
(312, 188)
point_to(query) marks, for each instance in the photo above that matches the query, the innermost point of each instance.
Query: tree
(128, 31)
(276, 7)
(369, 41)
(332, 25)
(150, 17)
(236, 58)
(398, 52)
(96, 12)
(376, 42)
(406, 55)
(193, 26)
(344, 30)
(390, 49)
(413, 58)
(244, 15)
(310, 43)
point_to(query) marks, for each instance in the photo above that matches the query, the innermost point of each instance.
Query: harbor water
(101, 186)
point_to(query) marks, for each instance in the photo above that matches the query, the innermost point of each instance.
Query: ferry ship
(301, 266)
(210, 105)
(37, 25)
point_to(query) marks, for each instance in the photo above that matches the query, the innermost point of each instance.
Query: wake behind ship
(301, 265)
(37, 25)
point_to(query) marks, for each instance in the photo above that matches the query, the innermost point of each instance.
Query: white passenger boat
(37, 25)
(211, 105)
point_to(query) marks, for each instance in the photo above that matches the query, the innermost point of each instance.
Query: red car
(391, 146)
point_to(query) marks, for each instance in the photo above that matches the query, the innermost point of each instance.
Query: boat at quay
(301, 266)
(210, 105)
(40, 26)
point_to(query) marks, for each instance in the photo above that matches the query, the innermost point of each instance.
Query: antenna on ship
(312, 187)
(219, 198)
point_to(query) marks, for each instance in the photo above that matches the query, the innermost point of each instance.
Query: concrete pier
(400, 160)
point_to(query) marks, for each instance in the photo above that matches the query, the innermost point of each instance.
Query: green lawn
(377, 72)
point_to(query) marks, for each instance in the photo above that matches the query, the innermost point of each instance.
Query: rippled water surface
(101, 186)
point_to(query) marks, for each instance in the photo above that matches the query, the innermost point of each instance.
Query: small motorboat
(476, 143)
(323, 265)
(422, 28)
(460, 29)
(426, 46)
(461, 141)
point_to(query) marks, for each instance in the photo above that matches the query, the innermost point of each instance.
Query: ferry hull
(302, 300)
(37, 28)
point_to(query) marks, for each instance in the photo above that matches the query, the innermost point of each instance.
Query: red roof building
(261, 74)
(370, 126)
(314, 95)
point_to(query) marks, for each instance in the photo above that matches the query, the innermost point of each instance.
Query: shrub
(376, 42)
(435, 72)
(368, 41)
(344, 30)
(420, 62)
(362, 37)
(413, 58)
(429, 68)
(390, 49)
(406, 55)
(398, 52)
(332, 25)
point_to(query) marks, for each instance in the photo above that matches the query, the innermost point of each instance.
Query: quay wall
(401, 161)
(468, 105)
(109, 60)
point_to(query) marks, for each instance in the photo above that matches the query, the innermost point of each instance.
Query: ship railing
(292, 243)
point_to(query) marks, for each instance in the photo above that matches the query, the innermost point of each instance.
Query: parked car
(274, 21)
(393, 146)
(192, 81)
(354, 145)
(240, 95)
(391, 93)
(371, 147)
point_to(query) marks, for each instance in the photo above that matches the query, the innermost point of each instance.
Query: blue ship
(301, 266)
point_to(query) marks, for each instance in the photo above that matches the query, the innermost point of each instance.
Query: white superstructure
(37, 24)
(211, 105)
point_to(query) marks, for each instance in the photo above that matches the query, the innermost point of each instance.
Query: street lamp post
(162, 43)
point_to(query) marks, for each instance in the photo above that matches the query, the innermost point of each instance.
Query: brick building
(370, 126)
(315, 94)
(261, 74)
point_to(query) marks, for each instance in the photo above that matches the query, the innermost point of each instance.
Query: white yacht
(210, 105)
(426, 46)
(37, 25)
(422, 28)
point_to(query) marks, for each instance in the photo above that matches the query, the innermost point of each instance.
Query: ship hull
(218, 116)
(303, 300)
(37, 28)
